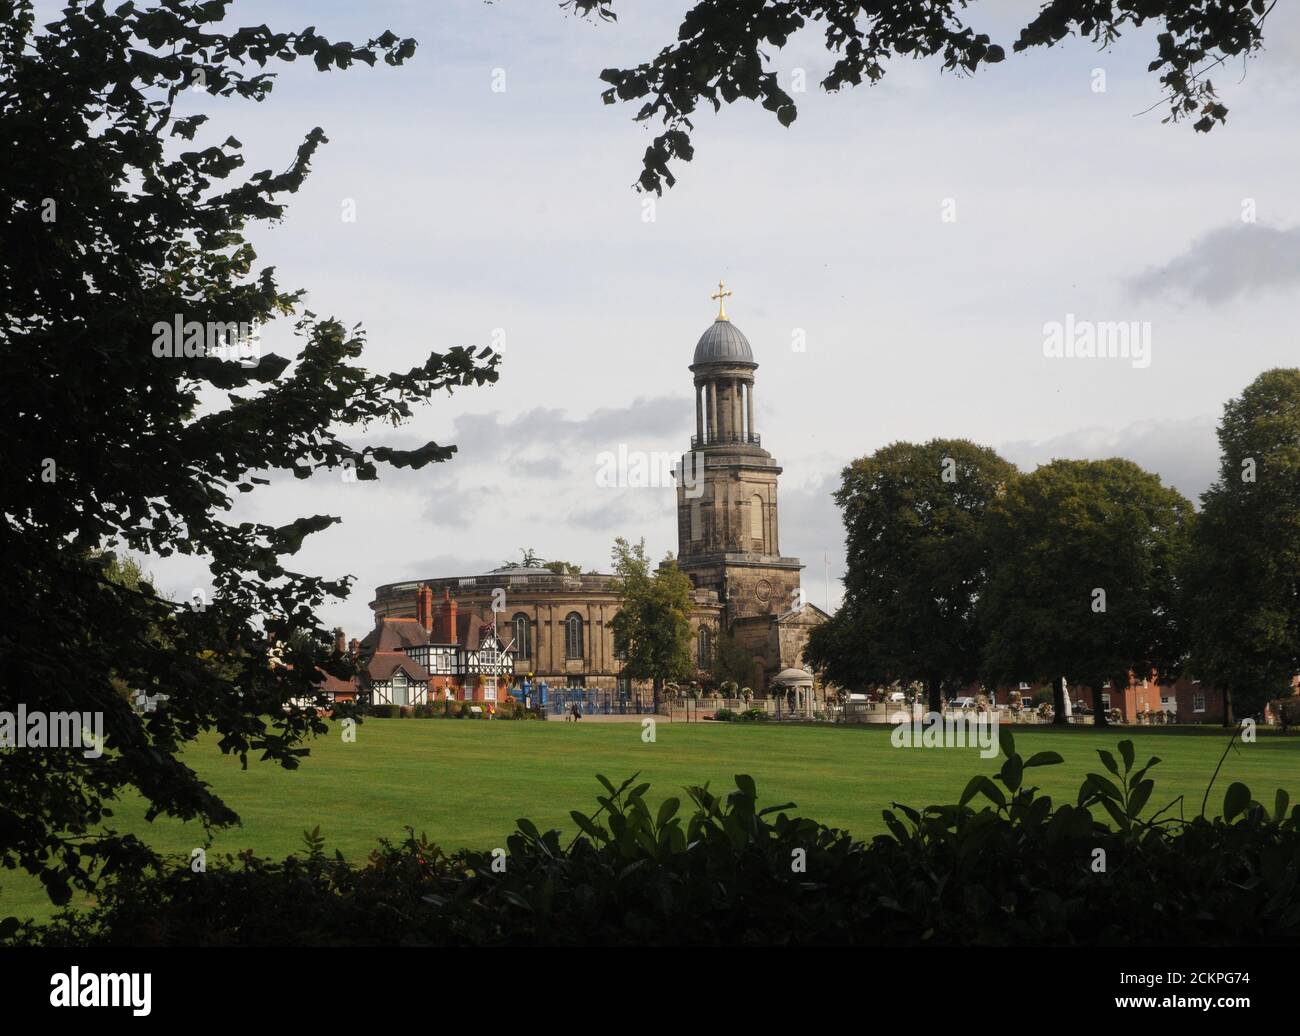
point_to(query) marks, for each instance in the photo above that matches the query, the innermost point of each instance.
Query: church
(557, 628)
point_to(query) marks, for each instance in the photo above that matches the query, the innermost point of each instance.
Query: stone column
(699, 413)
(749, 408)
(735, 408)
(713, 411)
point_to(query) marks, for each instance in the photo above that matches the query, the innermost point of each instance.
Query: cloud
(455, 506)
(1183, 452)
(448, 565)
(628, 512)
(662, 417)
(1225, 264)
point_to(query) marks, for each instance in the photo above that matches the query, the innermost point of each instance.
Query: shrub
(451, 708)
(382, 711)
(1003, 865)
(725, 715)
(753, 715)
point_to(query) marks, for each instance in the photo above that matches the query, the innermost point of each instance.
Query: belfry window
(573, 636)
(523, 636)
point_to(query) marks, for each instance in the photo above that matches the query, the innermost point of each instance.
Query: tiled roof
(383, 664)
(333, 685)
(392, 634)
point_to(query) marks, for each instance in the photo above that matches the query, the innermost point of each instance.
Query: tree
(529, 558)
(563, 568)
(913, 521)
(1084, 579)
(1243, 576)
(137, 402)
(652, 628)
(722, 53)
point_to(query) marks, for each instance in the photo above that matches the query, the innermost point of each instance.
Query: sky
(508, 217)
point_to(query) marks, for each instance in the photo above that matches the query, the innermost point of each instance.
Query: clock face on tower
(763, 590)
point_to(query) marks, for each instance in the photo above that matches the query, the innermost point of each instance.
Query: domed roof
(724, 342)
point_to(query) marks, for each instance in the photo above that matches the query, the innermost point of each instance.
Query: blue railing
(592, 702)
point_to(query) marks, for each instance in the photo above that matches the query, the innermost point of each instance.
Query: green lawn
(465, 782)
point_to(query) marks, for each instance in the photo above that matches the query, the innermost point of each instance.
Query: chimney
(424, 608)
(340, 641)
(448, 618)
(354, 647)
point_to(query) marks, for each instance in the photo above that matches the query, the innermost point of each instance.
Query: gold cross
(721, 294)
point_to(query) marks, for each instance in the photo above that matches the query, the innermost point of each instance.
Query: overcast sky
(513, 213)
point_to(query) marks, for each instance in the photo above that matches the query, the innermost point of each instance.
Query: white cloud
(1226, 264)
(1184, 452)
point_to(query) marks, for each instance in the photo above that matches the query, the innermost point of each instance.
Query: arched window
(705, 650)
(756, 517)
(573, 636)
(523, 636)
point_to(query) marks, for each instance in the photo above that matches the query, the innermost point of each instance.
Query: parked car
(897, 697)
(961, 703)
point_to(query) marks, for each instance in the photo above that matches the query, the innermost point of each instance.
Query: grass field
(465, 782)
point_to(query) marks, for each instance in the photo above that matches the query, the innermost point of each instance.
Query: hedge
(1004, 865)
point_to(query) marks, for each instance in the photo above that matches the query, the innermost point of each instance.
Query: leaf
(1140, 796)
(1135, 778)
(667, 810)
(972, 789)
(1100, 786)
(1006, 740)
(1044, 759)
(528, 828)
(1126, 752)
(1109, 761)
(1280, 802)
(1113, 808)
(908, 812)
(1235, 800)
(896, 827)
(586, 826)
(991, 790)
(510, 896)
(746, 784)
(1012, 772)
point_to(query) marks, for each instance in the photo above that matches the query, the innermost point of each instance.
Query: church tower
(727, 527)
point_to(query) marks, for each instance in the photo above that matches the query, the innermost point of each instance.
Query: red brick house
(1183, 701)
(441, 654)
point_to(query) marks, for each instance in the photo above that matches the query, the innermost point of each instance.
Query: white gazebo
(801, 682)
